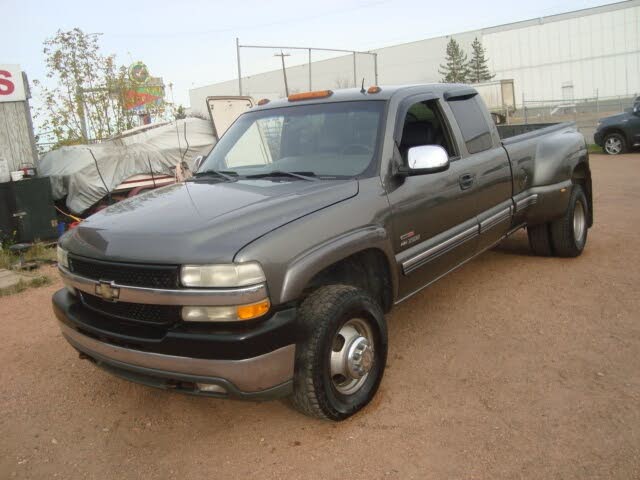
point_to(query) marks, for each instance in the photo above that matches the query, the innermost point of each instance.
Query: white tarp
(73, 171)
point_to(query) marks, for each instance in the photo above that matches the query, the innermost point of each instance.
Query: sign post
(17, 142)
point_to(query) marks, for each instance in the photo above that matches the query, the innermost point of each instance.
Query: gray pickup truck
(268, 273)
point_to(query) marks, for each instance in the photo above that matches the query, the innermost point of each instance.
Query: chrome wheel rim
(579, 222)
(352, 356)
(613, 145)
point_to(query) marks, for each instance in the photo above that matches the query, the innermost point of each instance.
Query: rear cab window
(473, 124)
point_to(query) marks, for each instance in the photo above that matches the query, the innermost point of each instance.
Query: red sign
(11, 85)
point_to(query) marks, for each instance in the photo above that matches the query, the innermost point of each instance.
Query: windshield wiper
(308, 176)
(226, 174)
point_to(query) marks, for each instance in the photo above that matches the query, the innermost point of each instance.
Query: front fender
(294, 253)
(304, 267)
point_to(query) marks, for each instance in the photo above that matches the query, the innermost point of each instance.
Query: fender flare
(305, 266)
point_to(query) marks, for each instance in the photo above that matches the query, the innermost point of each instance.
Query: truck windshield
(321, 140)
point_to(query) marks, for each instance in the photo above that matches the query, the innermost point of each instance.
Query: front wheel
(614, 144)
(340, 362)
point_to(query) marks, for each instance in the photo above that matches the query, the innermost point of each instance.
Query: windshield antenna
(362, 90)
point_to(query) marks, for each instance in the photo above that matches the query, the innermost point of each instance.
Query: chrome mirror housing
(427, 159)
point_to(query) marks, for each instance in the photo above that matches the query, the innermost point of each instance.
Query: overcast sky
(192, 42)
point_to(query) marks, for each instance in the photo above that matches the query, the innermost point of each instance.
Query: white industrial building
(586, 53)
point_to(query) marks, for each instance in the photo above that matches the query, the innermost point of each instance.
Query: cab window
(424, 125)
(472, 123)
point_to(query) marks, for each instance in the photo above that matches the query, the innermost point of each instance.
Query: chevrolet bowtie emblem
(107, 291)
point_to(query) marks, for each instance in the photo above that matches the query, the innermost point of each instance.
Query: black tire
(540, 240)
(321, 317)
(563, 230)
(614, 139)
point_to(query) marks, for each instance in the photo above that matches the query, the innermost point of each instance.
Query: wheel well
(582, 176)
(611, 130)
(367, 269)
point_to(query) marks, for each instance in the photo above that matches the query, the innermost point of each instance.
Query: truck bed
(510, 134)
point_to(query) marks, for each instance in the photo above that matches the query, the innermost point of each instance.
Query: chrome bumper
(153, 296)
(251, 375)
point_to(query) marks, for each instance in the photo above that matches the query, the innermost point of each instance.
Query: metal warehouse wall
(588, 54)
(572, 55)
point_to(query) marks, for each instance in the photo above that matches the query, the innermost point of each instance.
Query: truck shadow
(516, 244)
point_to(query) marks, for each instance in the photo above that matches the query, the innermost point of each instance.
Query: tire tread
(540, 240)
(314, 315)
(562, 238)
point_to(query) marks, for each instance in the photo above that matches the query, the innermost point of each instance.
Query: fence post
(597, 100)
(355, 79)
(524, 107)
(310, 84)
(239, 71)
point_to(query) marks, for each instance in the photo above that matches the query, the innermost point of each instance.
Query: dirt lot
(512, 367)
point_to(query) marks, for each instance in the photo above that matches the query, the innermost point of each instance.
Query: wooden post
(17, 142)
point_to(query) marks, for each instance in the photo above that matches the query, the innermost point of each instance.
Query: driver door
(435, 226)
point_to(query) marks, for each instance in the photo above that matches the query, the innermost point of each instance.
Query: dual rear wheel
(566, 236)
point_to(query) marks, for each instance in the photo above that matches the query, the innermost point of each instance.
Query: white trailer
(499, 96)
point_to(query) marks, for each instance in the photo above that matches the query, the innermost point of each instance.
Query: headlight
(228, 275)
(63, 257)
(225, 314)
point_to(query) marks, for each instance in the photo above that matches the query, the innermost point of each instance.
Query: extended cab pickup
(269, 272)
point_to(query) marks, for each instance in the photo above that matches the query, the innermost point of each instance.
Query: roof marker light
(263, 101)
(374, 89)
(310, 95)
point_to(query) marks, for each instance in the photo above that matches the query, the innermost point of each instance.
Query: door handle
(466, 180)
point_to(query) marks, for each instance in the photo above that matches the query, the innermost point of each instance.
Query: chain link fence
(584, 111)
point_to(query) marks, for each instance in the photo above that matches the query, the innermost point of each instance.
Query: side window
(472, 123)
(424, 125)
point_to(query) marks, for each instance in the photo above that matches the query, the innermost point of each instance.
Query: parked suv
(619, 133)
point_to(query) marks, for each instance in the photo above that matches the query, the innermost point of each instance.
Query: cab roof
(356, 94)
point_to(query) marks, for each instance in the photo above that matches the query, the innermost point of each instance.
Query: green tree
(478, 69)
(83, 98)
(455, 68)
(180, 113)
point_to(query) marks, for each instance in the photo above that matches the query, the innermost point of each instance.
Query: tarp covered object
(74, 174)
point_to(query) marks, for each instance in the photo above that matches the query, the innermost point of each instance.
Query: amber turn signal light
(374, 89)
(254, 310)
(309, 95)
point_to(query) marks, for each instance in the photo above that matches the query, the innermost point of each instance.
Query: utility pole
(81, 113)
(284, 71)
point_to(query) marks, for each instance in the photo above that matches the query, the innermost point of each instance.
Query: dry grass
(22, 285)
(6, 259)
(39, 252)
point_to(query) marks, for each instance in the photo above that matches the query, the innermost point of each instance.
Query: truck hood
(201, 221)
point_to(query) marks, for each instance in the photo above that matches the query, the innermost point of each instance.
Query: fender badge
(408, 238)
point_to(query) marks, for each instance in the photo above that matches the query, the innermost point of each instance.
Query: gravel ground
(511, 367)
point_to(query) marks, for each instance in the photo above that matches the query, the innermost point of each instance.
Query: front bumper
(251, 363)
(598, 138)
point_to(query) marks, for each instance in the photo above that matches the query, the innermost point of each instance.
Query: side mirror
(427, 159)
(636, 109)
(197, 162)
